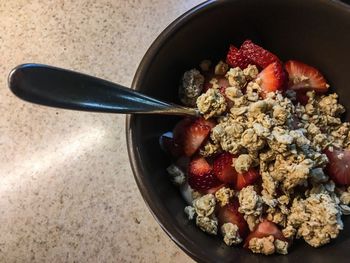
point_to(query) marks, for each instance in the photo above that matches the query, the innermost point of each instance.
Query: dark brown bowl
(314, 31)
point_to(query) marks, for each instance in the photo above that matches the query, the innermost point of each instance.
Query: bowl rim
(172, 231)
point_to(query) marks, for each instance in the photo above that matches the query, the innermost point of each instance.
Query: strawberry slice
(200, 176)
(229, 214)
(265, 229)
(235, 58)
(273, 78)
(247, 178)
(223, 170)
(190, 133)
(259, 56)
(305, 77)
(338, 167)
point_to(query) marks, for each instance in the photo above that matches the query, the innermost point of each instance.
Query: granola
(231, 234)
(283, 140)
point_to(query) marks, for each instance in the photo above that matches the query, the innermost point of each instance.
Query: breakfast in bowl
(266, 162)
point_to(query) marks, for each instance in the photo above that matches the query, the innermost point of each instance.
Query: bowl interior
(313, 31)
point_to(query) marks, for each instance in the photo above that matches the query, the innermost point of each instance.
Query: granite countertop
(67, 193)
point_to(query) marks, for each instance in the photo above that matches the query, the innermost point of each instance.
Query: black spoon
(56, 87)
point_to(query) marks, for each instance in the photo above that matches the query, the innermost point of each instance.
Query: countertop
(67, 193)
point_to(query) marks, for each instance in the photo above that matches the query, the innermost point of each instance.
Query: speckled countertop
(67, 193)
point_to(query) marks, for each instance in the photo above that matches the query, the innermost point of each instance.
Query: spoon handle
(56, 87)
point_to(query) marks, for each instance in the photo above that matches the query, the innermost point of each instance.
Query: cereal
(250, 202)
(264, 245)
(212, 103)
(207, 224)
(221, 68)
(316, 219)
(205, 205)
(191, 87)
(177, 175)
(230, 233)
(243, 163)
(279, 140)
(236, 77)
(190, 212)
(223, 195)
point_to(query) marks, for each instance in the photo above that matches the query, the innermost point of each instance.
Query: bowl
(316, 32)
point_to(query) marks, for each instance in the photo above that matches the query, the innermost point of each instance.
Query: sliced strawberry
(235, 58)
(190, 133)
(265, 229)
(305, 77)
(229, 214)
(200, 176)
(223, 170)
(273, 78)
(338, 167)
(259, 56)
(247, 178)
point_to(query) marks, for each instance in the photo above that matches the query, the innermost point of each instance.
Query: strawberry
(200, 176)
(190, 133)
(273, 78)
(305, 77)
(223, 170)
(247, 178)
(235, 58)
(338, 167)
(265, 229)
(257, 54)
(229, 214)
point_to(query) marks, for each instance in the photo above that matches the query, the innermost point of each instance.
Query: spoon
(56, 87)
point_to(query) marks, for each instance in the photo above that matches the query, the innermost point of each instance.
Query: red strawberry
(229, 214)
(247, 178)
(223, 170)
(257, 54)
(272, 78)
(190, 133)
(302, 76)
(338, 167)
(265, 229)
(235, 58)
(200, 176)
